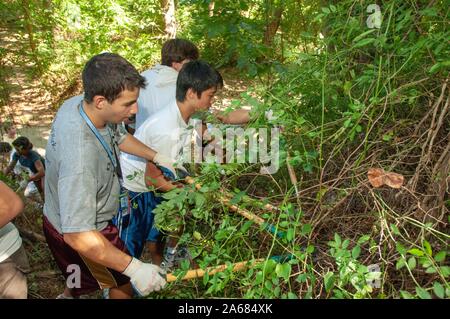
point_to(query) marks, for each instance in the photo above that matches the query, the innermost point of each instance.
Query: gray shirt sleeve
(119, 131)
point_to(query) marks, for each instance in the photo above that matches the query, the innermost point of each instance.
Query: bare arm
(10, 204)
(133, 146)
(93, 245)
(240, 116)
(40, 171)
(154, 177)
(10, 167)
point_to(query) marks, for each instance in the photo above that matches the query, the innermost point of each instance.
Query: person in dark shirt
(28, 158)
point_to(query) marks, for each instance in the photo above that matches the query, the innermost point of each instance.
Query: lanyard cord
(97, 134)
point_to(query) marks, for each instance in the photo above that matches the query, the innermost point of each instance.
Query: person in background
(29, 159)
(13, 259)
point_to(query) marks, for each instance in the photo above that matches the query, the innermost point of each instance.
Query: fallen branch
(198, 273)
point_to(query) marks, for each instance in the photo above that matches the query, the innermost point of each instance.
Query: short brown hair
(177, 50)
(108, 74)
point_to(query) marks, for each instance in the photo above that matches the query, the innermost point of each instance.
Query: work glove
(23, 184)
(144, 277)
(164, 161)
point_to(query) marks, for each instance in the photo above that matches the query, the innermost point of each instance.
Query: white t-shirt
(10, 241)
(166, 133)
(160, 91)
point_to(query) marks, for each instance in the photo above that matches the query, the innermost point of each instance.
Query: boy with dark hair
(168, 132)
(82, 184)
(162, 77)
(29, 159)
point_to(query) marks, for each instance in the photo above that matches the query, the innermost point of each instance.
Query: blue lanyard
(98, 135)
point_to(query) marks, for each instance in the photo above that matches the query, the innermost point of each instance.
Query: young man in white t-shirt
(168, 133)
(162, 79)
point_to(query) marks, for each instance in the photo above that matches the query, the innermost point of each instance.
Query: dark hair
(5, 147)
(177, 50)
(198, 76)
(108, 75)
(22, 143)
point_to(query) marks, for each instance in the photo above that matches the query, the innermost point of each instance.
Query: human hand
(144, 277)
(164, 161)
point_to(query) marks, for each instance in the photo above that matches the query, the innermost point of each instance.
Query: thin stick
(292, 176)
(243, 212)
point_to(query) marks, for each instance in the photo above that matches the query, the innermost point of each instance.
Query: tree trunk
(273, 23)
(168, 7)
(211, 8)
(29, 30)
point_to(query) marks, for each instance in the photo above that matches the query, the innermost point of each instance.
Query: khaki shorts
(13, 283)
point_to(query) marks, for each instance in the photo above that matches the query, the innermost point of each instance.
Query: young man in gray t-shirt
(82, 185)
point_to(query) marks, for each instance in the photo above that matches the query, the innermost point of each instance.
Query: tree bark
(29, 30)
(211, 8)
(168, 7)
(273, 23)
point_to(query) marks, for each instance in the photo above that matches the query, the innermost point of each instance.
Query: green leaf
(416, 252)
(337, 239)
(310, 249)
(362, 35)
(400, 264)
(395, 228)
(356, 251)
(387, 138)
(445, 271)
(283, 270)
(427, 247)
(406, 295)
(306, 229)
(440, 256)
(422, 293)
(345, 244)
(430, 270)
(246, 226)
(438, 290)
(364, 42)
(290, 234)
(269, 267)
(329, 280)
(401, 249)
(292, 295)
(302, 278)
(412, 263)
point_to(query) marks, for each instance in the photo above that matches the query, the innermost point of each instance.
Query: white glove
(164, 161)
(23, 184)
(145, 278)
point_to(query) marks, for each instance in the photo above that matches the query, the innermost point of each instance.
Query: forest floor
(31, 106)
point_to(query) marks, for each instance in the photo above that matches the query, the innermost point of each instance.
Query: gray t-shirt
(81, 186)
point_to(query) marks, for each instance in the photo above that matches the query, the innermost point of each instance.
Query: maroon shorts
(93, 276)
